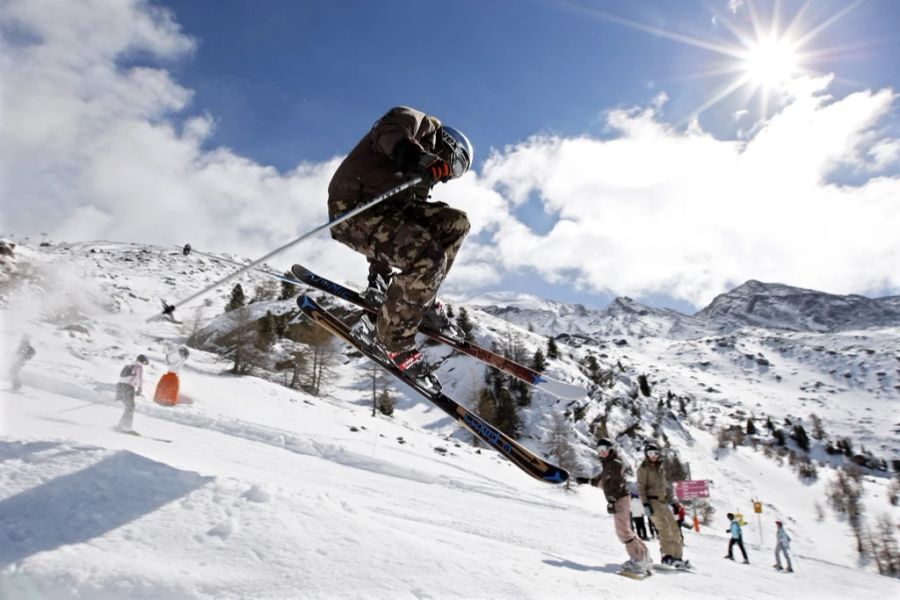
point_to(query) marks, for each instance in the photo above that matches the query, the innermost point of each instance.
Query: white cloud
(655, 210)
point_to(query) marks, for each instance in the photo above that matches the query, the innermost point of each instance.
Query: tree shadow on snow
(88, 503)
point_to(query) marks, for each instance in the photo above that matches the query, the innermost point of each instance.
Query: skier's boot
(377, 287)
(633, 566)
(413, 364)
(436, 320)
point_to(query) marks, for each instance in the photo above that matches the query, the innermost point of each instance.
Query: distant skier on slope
(737, 537)
(405, 232)
(618, 498)
(783, 545)
(131, 382)
(656, 495)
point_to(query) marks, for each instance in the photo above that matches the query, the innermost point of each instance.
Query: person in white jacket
(783, 545)
(131, 382)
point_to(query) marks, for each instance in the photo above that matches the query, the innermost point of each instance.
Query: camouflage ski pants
(418, 238)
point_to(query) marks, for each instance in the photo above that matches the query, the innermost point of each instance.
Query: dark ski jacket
(370, 168)
(612, 478)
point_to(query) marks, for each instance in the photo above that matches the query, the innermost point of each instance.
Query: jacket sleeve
(642, 484)
(404, 123)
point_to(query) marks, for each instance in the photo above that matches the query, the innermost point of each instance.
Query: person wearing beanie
(656, 495)
(782, 546)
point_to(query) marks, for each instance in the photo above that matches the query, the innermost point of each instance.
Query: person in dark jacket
(618, 504)
(410, 243)
(24, 353)
(737, 537)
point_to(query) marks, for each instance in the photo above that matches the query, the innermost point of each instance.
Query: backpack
(127, 371)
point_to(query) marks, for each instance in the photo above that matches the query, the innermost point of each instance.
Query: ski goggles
(652, 453)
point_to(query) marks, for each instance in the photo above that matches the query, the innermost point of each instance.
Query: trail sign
(691, 490)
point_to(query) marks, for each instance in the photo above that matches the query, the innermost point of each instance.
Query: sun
(770, 63)
(761, 49)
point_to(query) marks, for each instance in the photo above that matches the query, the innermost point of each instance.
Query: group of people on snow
(653, 499)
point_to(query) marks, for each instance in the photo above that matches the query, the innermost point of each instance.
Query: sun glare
(770, 63)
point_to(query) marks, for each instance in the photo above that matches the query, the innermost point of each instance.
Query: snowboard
(512, 450)
(633, 575)
(552, 386)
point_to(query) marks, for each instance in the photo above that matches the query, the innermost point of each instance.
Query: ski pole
(101, 403)
(169, 309)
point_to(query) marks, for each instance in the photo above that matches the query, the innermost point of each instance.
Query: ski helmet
(457, 150)
(604, 443)
(142, 359)
(651, 450)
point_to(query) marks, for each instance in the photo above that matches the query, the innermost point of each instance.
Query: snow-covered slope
(269, 492)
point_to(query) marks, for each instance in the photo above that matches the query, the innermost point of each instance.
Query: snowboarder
(656, 495)
(783, 545)
(618, 504)
(131, 382)
(737, 537)
(637, 516)
(24, 353)
(419, 239)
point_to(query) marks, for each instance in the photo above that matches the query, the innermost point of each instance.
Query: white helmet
(457, 150)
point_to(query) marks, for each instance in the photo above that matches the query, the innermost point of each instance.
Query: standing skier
(618, 504)
(24, 353)
(737, 537)
(656, 495)
(131, 382)
(637, 517)
(419, 239)
(783, 545)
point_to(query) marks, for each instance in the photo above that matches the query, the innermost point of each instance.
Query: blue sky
(609, 162)
(290, 81)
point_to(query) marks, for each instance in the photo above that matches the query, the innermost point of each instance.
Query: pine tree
(537, 362)
(237, 298)
(265, 332)
(288, 290)
(552, 350)
(560, 445)
(464, 322)
(751, 427)
(800, 436)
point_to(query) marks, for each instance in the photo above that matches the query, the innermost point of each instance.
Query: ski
(140, 435)
(519, 455)
(542, 382)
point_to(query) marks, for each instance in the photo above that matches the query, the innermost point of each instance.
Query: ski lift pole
(169, 309)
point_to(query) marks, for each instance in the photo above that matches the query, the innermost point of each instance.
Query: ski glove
(648, 510)
(432, 169)
(611, 508)
(582, 480)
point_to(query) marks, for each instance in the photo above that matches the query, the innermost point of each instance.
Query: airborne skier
(418, 238)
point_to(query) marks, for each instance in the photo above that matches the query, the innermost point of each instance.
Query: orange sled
(167, 390)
